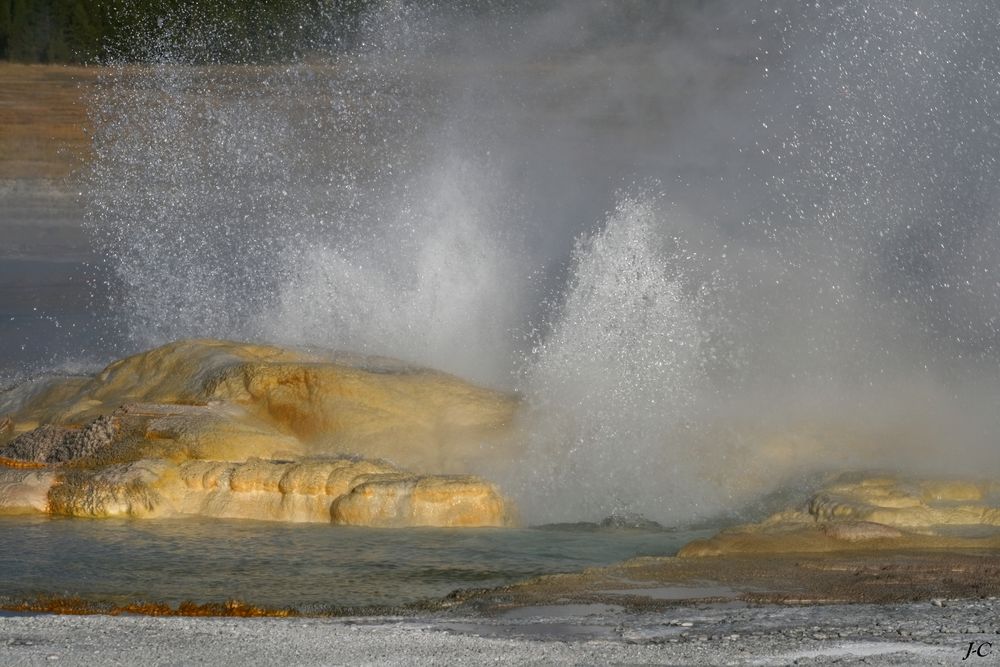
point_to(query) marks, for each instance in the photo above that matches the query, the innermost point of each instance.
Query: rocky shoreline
(705, 634)
(858, 607)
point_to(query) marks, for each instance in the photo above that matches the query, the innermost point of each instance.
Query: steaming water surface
(307, 567)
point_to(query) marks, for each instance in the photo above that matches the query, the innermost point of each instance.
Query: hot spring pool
(309, 567)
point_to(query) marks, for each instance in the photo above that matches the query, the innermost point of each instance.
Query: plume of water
(619, 370)
(416, 191)
(293, 202)
(441, 286)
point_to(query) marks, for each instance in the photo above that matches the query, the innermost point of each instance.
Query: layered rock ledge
(221, 429)
(885, 513)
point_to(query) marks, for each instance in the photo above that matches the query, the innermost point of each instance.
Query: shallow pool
(306, 566)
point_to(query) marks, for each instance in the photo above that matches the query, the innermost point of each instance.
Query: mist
(716, 246)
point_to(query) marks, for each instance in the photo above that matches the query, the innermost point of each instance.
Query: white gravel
(919, 633)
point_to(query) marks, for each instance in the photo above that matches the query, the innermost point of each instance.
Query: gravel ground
(905, 634)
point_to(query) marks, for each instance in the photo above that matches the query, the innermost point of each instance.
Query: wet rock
(52, 444)
(424, 420)
(304, 491)
(119, 490)
(220, 429)
(630, 520)
(875, 512)
(24, 491)
(37, 445)
(294, 491)
(87, 442)
(858, 531)
(391, 501)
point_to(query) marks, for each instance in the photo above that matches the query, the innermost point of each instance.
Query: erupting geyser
(617, 374)
(713, 247)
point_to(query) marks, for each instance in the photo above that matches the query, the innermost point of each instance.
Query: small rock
(630, 520)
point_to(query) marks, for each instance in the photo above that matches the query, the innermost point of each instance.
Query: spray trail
(620, 369)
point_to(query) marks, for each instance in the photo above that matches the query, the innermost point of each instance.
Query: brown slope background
(43, 120)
